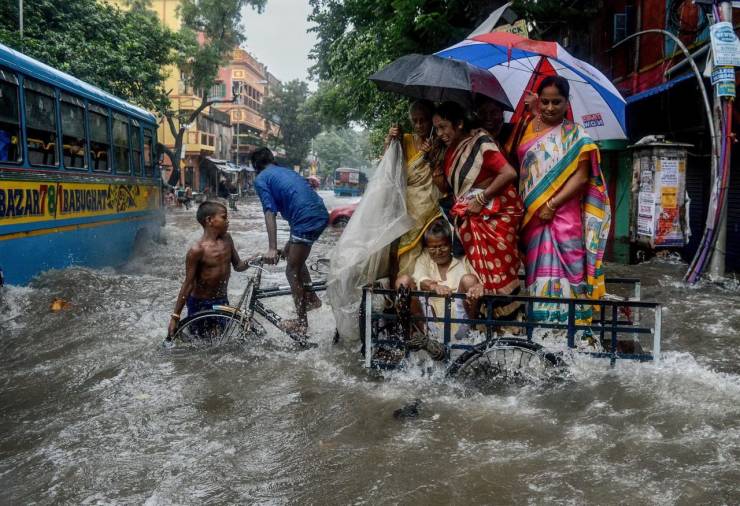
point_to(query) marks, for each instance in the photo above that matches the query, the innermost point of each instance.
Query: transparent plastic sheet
(362, 252)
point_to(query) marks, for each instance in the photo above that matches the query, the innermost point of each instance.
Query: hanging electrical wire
(718, 196)
(717, 201)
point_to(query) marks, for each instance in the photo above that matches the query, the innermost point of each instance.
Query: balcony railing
(200, 141)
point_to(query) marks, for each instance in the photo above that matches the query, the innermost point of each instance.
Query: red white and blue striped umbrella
(520, 64)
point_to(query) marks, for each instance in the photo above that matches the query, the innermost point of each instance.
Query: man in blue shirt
(284, 191)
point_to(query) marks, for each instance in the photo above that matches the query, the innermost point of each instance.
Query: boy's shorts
(207, 328)
(196, 305)
(307, 238)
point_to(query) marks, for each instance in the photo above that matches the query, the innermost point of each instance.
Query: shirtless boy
(208, 265)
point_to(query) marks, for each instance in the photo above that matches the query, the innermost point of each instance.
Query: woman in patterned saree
(487, 208)
(567, 216)
(421, 195)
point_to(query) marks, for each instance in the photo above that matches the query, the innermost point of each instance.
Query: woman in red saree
(487, 208)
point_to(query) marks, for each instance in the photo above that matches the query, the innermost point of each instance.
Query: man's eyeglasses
(438, 249)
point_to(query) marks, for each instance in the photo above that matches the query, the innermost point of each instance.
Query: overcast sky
(278, 38)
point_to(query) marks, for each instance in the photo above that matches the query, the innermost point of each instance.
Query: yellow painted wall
(249, 69)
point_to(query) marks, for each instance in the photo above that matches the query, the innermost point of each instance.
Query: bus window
(148, 153)
(74, 145)
(10, 125)
(99, 138)
(41, 123)
(136, 146)
(121, 154)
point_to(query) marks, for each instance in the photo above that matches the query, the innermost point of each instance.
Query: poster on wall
(645, 213)
(668, 231)
(725, 45)
(659, 208)
(669, 173)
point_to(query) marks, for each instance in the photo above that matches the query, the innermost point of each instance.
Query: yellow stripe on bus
(66, 228)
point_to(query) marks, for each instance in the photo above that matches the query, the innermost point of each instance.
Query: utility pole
(238, 126)
(717, 263)
(238, 131)
(20, 19)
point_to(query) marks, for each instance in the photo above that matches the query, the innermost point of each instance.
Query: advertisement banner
(29, 202)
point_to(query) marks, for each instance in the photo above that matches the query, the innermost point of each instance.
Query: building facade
(663, 98)
(208, 136)
(249, 79)
(227, 131)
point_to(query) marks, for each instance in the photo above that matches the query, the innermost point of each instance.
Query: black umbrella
(438, 79)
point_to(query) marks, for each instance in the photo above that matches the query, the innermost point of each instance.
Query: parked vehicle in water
(339, 216)
(78, 175)
(349, 182)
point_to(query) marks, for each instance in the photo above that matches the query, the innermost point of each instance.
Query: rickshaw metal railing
(607, 322)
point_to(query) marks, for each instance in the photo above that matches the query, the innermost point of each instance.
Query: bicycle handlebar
(260, 260)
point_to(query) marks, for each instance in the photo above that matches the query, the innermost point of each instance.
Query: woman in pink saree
(567, 216)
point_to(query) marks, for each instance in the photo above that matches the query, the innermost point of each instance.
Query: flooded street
(94, 412)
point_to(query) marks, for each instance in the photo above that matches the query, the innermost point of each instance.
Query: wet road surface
(94, 412)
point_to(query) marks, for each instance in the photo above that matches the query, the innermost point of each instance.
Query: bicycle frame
(251, 301)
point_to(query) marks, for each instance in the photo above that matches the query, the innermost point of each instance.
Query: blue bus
(79, 180)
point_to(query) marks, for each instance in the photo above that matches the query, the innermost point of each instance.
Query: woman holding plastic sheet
(421, 195)
(487, 208)
(567, 216)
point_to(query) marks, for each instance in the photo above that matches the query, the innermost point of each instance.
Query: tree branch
(168, 151)
(171, 124)
(207, 103)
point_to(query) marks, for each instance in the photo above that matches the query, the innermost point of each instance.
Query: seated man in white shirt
(439, 272)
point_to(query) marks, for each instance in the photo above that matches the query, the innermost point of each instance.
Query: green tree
(292, 109)
(551, 18)
(122, 52)
(218, 21)
(127, 52)
(343, 147)
(358, 37)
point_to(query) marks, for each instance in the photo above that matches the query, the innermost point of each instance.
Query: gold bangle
(175, 316)
(549, 206)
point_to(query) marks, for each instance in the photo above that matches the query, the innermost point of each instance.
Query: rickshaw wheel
(209, 328)
(505, 361)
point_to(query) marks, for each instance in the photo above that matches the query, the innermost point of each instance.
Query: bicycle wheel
(505, 361)
(209, 328)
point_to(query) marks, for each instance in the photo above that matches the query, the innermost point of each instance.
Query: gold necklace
(537, 124)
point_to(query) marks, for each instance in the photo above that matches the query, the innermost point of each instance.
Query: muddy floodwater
(94, 412)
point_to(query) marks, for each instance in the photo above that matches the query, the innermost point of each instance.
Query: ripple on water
(94, 412)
